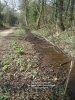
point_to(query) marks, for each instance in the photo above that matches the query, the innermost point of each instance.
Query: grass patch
(42, 32)
(65, 40)
(20, 32)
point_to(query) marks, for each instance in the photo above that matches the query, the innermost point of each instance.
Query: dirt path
(4, 33)
(3, 42)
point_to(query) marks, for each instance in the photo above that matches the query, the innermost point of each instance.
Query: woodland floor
(31, 68)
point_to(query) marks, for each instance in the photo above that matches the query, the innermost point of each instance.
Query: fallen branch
(71, 66)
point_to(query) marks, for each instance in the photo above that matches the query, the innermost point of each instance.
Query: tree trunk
(45, 7)
(67, 8)
(61, 24)
(42, 13)
(71, 11)
(39, 16)
(25, 11)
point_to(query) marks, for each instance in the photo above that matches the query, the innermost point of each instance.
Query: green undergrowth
(15, 60)
(20, 31)
(3, 98)
(14, 57)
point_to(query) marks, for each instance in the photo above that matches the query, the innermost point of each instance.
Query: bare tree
(25, 11)
(42, 13)
(72, 11)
